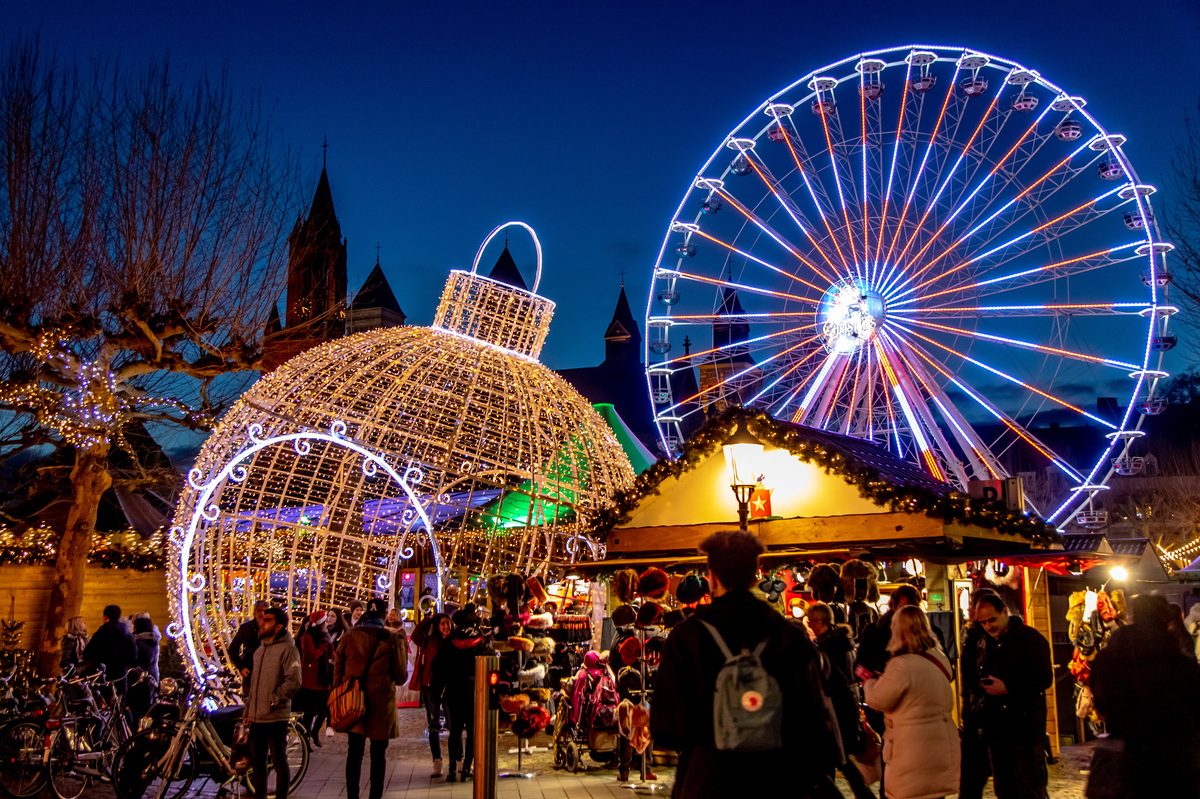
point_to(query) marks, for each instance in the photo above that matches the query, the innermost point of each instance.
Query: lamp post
(743, 455)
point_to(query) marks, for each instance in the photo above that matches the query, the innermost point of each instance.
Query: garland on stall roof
(951, 506)
(123, 550)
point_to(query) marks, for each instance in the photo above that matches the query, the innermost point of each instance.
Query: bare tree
(142, 228)
(1182, 218)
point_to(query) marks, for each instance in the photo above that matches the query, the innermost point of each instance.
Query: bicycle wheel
(65, 780)
(297, 756)
(136, 772)
(21, 771)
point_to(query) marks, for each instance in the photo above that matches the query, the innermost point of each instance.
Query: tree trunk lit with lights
(90, 478)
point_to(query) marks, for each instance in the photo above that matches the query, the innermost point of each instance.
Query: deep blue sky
(588, 120)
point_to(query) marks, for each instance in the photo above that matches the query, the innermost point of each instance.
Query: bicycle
(164, 760)
(79, 747)
(23, 741)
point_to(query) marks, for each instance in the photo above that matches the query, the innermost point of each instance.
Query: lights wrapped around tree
(953, 506)
(304, 494)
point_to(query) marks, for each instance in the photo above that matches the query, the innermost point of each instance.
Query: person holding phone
(1006, 672)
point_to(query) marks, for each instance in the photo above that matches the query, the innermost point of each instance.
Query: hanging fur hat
(824, 581)
(624, 582)
(853, 572)
(514, 593)
(536, 590)
(650, 614)
(624, 616)
(653, 583)
(495, 590)
(691, 589)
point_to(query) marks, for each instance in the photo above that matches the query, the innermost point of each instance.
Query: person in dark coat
(976, 766)
(1148, 692)
(454, 675)
(429, 636)
(873, 644)
(837, 645)
(370, 652)
(146, 640)
(681, 716)
(316, 674)
(1013, 672)
(112, 647)
(245, 641)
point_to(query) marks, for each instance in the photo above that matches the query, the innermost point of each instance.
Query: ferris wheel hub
(850, 314)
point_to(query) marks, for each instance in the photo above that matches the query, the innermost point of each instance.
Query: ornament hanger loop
(537, 246)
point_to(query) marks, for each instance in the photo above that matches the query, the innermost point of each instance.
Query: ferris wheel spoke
(1027, 345)
(1027, 277)
(709, 318)
(800, 156)
(715, 281)
(983, 463)
(1021, 432)
(737, 345)
(817, 387)
(1062, 222)
(837, 180)
(966, 201)
(936, 445)
(749, 257)
(789, 208)
(857, 388)
(785, 374)
(1004, 375)
(932, 203)
(908, 408)
(737, 375)
(1011, 311)
(916, 177)
(887, 192)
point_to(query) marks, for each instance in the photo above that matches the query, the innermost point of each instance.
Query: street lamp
(743, 453)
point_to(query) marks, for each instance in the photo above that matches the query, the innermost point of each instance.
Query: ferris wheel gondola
(931, 248)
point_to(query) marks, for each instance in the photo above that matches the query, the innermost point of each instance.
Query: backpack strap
(937, 663)
(717, 637)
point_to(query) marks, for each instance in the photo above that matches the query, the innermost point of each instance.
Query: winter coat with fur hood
(920, 738)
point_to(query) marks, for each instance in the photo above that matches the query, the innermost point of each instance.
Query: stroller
(586, 717)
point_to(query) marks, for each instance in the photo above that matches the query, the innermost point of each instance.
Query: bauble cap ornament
(653, 583)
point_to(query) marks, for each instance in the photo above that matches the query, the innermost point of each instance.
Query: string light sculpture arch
(932, 248)
(496, 464)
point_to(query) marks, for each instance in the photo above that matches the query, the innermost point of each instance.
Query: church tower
(316, 282)
(623, 337)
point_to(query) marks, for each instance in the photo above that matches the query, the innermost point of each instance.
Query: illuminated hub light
(850, 313)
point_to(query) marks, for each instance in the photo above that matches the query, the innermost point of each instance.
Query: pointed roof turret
(376, 292)
(624, 326)
(274, 325)
(506, 271)
(322, 201)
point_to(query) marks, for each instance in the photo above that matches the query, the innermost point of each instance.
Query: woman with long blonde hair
(915, 693)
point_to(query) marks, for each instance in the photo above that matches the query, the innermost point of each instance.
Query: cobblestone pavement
(409, 767)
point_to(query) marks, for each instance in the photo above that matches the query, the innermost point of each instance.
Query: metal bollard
(487, 722)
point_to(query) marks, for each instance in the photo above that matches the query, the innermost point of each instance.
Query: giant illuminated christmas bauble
(447, 446)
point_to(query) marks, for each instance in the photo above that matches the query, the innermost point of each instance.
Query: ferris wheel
(931, 248)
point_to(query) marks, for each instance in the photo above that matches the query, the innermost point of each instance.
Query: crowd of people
(811, 696)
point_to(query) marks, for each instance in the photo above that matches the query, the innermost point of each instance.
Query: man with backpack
(729, 677)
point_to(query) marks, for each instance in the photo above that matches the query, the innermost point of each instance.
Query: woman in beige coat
(916, 697)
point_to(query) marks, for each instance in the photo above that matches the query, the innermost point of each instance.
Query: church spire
(623, 338)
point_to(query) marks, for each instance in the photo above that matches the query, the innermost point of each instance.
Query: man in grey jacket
(274, 678)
